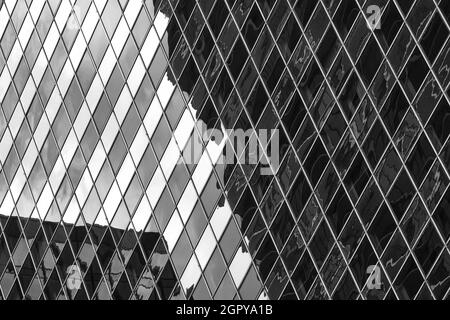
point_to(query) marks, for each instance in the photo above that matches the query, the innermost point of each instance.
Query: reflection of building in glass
(123, 265)
(99, 100)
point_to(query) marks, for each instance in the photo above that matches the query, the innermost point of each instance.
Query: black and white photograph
(243, 151)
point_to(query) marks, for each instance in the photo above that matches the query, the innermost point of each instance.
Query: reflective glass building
(121, 177)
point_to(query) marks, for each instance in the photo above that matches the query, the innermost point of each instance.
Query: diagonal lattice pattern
(100, 100)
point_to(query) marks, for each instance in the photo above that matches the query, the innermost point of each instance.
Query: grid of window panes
(100, 101)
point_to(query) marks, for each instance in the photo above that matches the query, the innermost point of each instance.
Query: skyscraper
(224, 149)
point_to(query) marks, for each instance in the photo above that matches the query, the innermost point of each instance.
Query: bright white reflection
(240, 265)
(191, 274)
(173, 231)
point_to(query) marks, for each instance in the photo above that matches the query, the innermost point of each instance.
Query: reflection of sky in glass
(65, 178)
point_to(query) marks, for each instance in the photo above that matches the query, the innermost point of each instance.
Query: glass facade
(120, 177)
